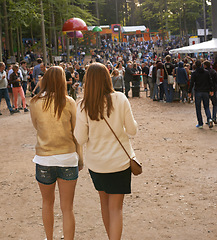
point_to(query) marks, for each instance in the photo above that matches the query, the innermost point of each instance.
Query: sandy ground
(175, 198)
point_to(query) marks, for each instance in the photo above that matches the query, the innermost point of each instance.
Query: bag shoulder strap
(117, 138)
(166, 69)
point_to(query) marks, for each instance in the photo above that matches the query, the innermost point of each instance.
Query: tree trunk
(0, 40)
(62, 37)
(97, 12)
(67, 48)
(185, 26)
(57, 39)
(8, 53)
(32, 34)
(11, 41)
(116, 6)
(43, 36)
(166, 16)
(214, 19)
(50, 37)
(132, 13)
(21, 43)
(126, 14)
(214, 23)
(54, 31)
(18, 46)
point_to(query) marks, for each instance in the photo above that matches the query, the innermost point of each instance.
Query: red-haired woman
(58, 155)
(108, 164)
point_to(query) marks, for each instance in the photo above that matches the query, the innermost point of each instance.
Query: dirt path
(175, 198)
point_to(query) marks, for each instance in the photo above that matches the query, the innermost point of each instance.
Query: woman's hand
(80, 166)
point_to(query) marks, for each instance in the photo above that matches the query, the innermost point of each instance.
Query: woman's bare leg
(111, 208)
(67, 191)
(104, 200)
(48, 197)
(115, 216)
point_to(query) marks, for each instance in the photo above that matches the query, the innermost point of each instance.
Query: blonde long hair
(53, 88)
(97, 91)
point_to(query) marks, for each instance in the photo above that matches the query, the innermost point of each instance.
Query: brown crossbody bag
(135, 165)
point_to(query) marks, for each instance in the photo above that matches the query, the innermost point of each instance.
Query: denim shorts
(48, 175)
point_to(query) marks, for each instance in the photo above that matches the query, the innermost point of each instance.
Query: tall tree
(43, 36)
(0, 39)
(6, 28)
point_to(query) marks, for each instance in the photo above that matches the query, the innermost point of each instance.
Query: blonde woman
(117, 81)
(108, 164)
(58, 156)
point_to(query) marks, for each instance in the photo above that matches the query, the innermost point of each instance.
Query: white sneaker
(210, 123)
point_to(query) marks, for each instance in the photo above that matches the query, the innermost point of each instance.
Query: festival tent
(208, 46)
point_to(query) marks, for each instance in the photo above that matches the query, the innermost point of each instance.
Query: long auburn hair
(53, 88)
(97, 91)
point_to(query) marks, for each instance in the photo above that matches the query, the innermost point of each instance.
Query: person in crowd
(160, 80)
(37, 72)
(150, 80)
(68, 72)
(4, 88)
(213, 98)
(108, 164)
(43, 69)
(15, 80)
(40, 76)
(117, 81)
(30, 79)
(145, 72)
(155, 95)
(128, 77)
(120, 69)
(182, 80)
(82, 56)
(75, 83)
(81, 73)
(187, 67)
(23, 68)
(58, 155)
(169, 70)
(136, 75)
(215, 65)
(10, 71)
(203, 86)
(109, 66)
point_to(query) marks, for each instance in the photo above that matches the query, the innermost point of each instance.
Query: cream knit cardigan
(103, 152)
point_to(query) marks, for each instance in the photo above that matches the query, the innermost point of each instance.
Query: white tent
(209, 46)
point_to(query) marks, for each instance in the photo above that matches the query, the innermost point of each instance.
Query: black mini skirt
(112, 183)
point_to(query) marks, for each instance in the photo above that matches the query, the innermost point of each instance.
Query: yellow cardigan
(55, 136)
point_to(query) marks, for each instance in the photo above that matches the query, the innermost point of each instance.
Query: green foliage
(176, 16)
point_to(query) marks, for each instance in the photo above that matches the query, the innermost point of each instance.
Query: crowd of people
(131, 67)
(17, 79)
(166, 79)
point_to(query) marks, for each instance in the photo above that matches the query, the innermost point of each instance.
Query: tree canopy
(23, 18)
